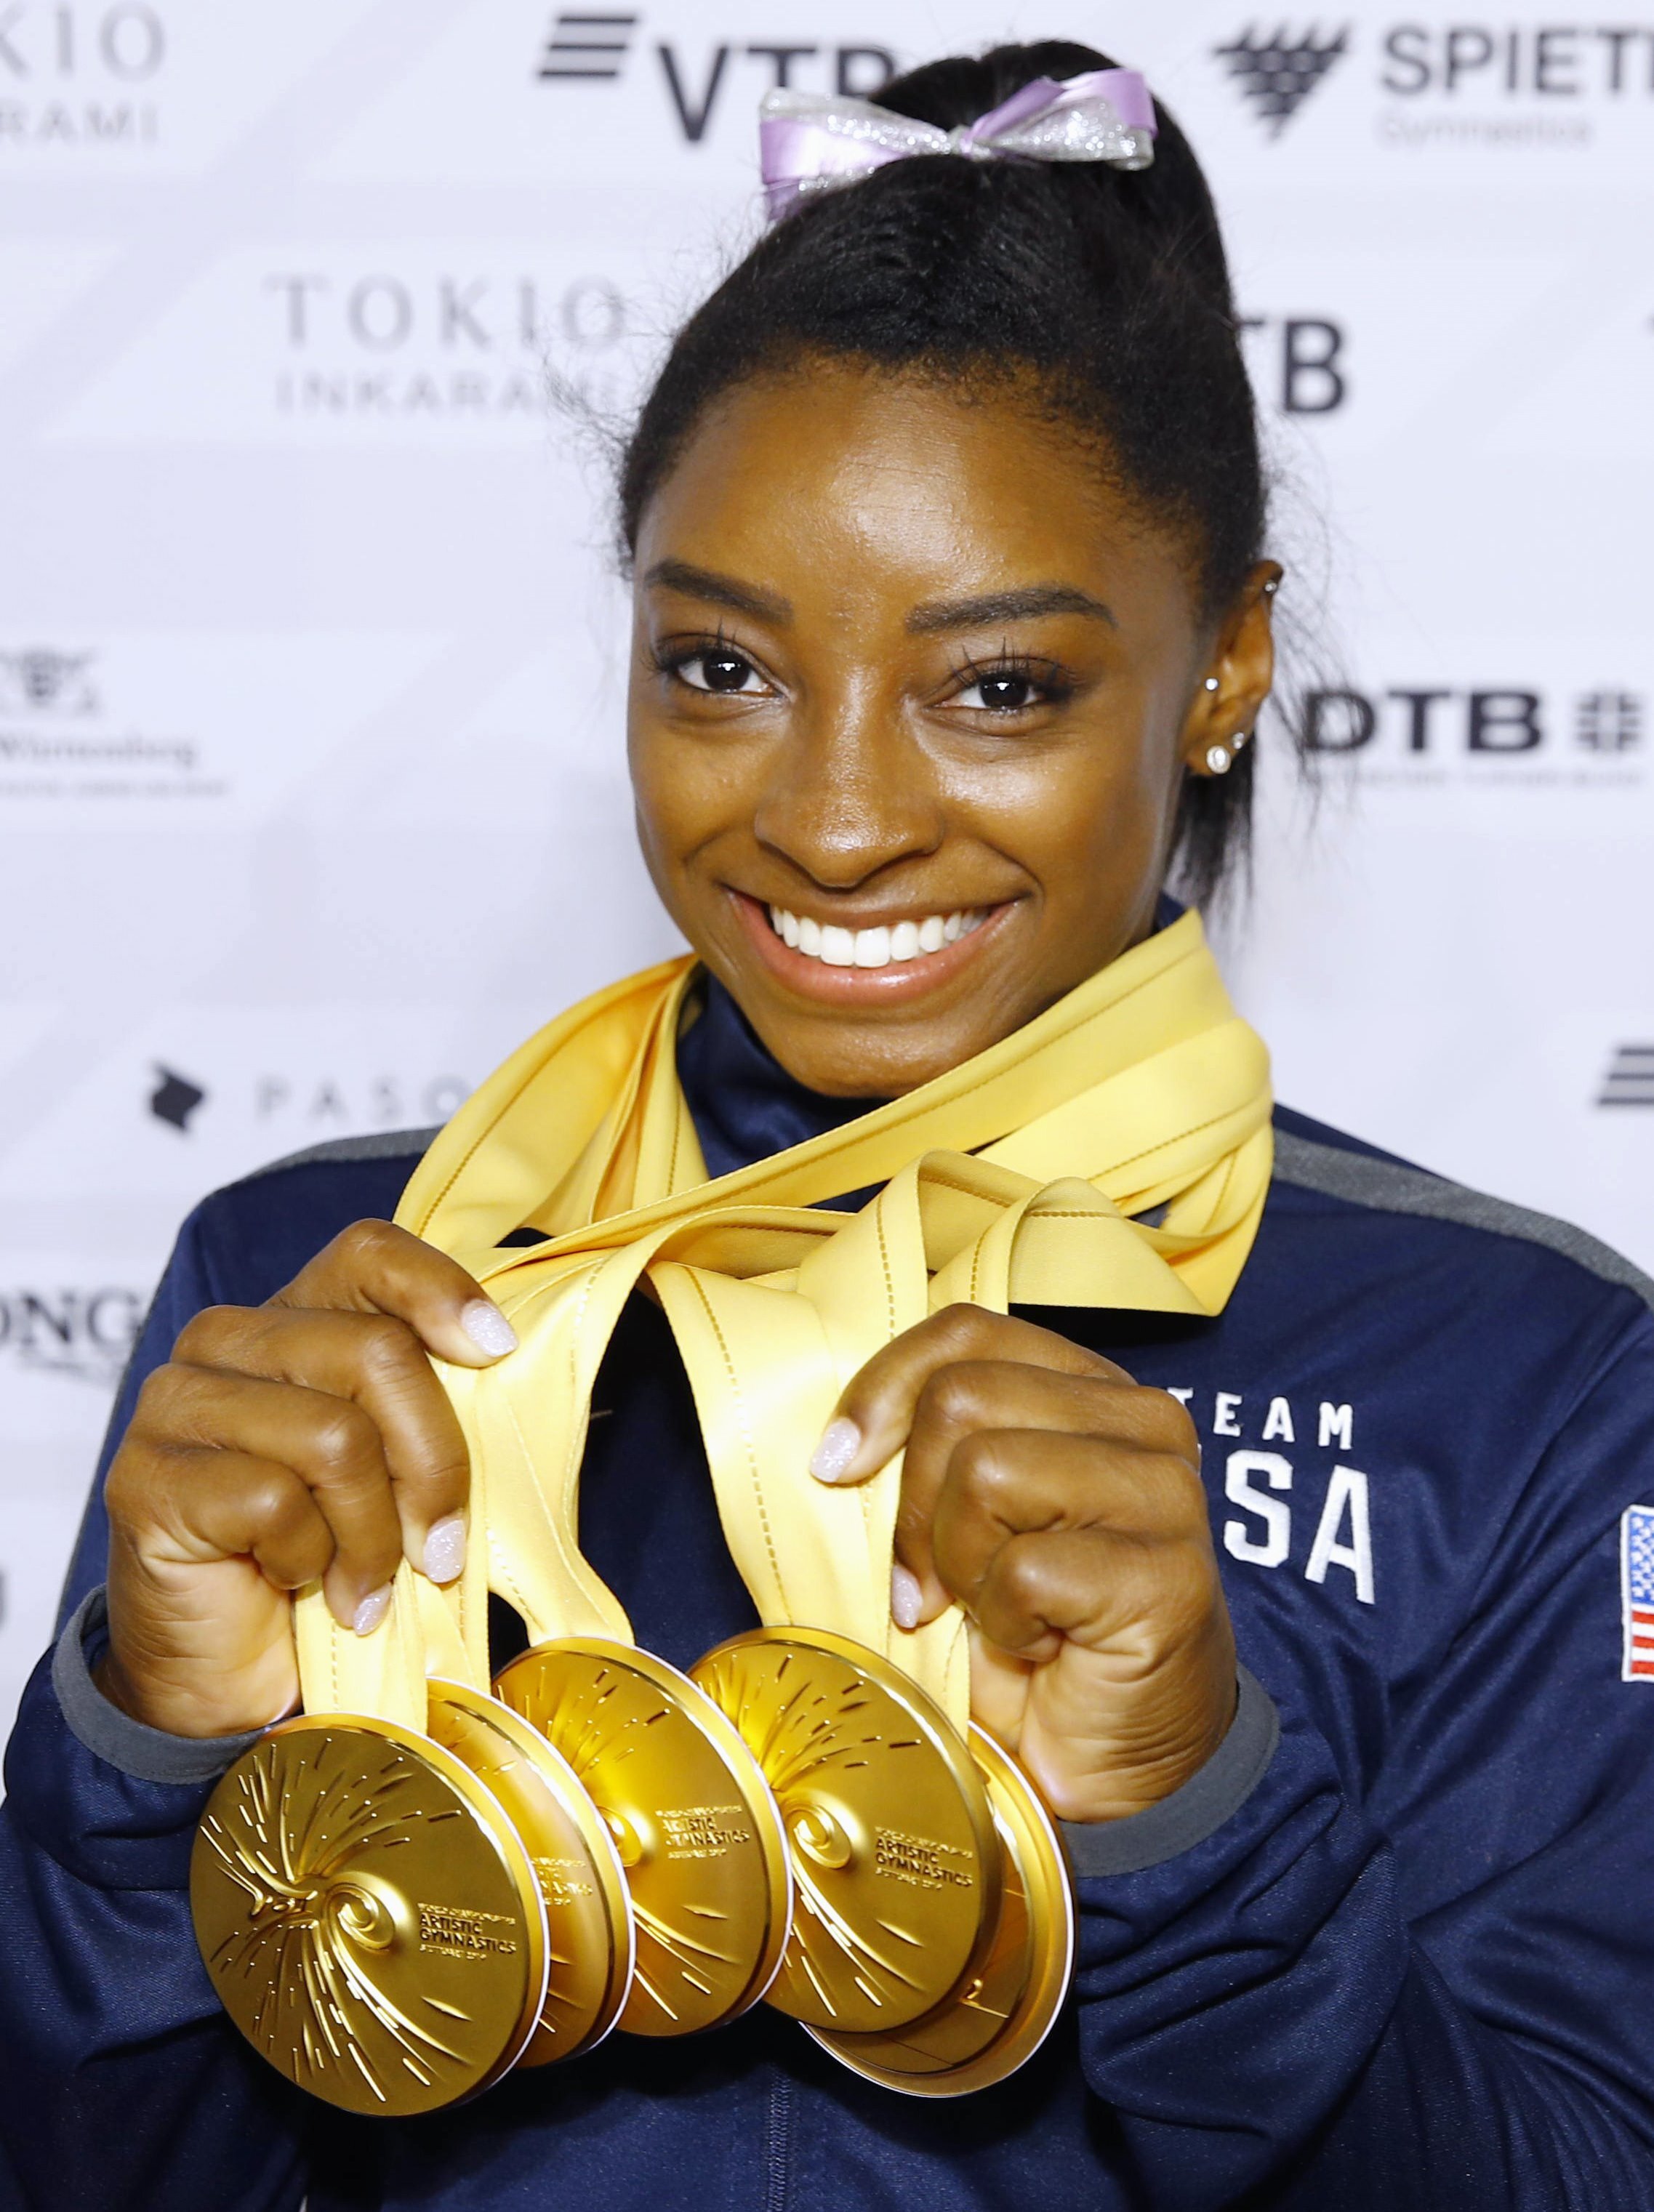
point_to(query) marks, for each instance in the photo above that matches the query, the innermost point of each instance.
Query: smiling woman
(1146, 1569)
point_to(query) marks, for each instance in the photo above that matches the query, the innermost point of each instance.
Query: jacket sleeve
(1427, 1985)
(124, 2087)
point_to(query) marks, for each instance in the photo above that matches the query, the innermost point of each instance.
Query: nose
(849, 794)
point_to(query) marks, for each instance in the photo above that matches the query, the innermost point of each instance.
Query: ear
(1234, 682)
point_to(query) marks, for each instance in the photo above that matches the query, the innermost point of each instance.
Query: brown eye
(726, 673)
(1005, 693)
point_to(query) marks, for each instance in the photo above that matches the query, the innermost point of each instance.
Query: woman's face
(913, 693)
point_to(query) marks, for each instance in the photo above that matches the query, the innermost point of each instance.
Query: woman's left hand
(1061, 1504)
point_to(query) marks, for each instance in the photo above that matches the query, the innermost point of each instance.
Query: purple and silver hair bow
(810, 142)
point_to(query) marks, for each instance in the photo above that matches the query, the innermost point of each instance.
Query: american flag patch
(1637, 1583)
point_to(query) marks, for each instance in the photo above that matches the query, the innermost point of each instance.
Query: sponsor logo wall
(311, 790)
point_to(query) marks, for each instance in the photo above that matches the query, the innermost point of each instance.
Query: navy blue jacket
(1399, 1954)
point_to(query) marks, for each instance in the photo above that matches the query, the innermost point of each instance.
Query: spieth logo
(1459, 83)
(595, 49)
(1420, 733)
(465, 344)
(74, 76)
(1276, 75)
(87, 1334)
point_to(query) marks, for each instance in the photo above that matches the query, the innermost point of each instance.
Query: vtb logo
(586, 48)
(1277, 74)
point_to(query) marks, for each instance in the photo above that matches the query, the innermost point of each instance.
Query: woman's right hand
(305, 1439)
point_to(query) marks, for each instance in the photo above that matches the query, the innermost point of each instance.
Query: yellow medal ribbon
(1115, 1153)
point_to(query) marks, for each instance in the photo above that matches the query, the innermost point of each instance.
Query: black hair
(1110, 285)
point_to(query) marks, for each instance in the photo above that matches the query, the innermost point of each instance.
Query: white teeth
(873, 948)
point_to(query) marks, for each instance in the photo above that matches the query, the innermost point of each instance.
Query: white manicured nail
(372, 1610)
(841, 1441)
(445, 1548)
(906, 1598)
(488, 1329)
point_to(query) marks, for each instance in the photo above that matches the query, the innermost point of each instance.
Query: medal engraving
(692, 1819)
(999, 2017)
(368, 1915)
(894, 1853)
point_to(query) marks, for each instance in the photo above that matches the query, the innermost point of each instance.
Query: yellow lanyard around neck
(1115, 1153)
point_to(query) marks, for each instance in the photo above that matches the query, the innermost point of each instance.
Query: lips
(878, 963)
(901, 941)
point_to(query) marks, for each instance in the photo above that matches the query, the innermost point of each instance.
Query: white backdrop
(311, 799)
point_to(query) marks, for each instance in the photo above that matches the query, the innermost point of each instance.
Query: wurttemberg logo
(1630, 1077)
(40, 680)
(174, 1097)
(1277, 75)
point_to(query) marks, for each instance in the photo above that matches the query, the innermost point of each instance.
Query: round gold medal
(695, 1827)
(895, 1859)
(369, 1916)
(588, 1907)
(998, 2018)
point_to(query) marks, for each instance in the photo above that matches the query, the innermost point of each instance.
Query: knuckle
(343, 1438)
(366, 1243)
(208, 1333)
(981, 1470)
(387, 1350)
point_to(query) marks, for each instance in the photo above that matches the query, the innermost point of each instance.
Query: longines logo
(1456, 84)
(58, 740)
(1432, 734)
(581, 48)
(75, 76)
(86, 1334)
(446, 346)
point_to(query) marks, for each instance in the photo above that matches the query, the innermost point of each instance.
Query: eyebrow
(722, 590)
(1020, 605)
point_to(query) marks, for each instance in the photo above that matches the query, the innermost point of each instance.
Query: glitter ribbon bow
(812, 142)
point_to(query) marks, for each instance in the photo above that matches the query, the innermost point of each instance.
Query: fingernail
(488, 1329)
(372, 1610)
(906, 1598)
(445, 1548)
(841, 1441)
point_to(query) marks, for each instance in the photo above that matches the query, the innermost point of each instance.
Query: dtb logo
(592, 49)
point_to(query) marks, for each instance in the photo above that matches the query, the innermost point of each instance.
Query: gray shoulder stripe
(1389, 1188)
(381, 1145)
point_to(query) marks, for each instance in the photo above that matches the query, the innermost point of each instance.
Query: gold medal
(369, 1916)
(895, 1858)
(999, 2018)
(696, 1829)
(588, 1907)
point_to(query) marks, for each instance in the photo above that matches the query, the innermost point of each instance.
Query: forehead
(838, 478)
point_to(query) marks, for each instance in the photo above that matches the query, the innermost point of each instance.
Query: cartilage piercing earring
(1211, 683)
(1219, 759)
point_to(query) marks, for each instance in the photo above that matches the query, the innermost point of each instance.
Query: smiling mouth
(884, 946)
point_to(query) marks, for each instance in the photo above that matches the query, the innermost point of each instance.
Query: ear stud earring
(1211, 683)
(1219, 759)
